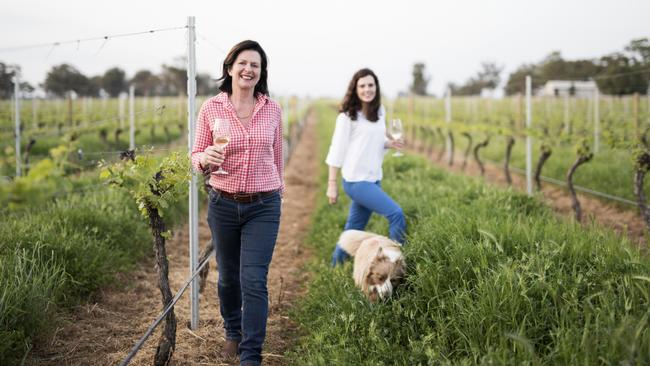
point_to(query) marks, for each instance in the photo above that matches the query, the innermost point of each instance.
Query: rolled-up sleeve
(340, 141)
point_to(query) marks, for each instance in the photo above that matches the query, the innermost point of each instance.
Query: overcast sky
(314, 47)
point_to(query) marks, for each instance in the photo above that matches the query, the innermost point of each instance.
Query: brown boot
(229, 349)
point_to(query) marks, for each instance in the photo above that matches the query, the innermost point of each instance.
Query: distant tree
(488, 77)
(621, 75)
(114, 81)
(64, 78)
(639, 49)
(205, 85)
(145, 82)
(517, 80)
(420, 81)
(95, 85)
(174, 80)
(617, 73)
(26, 87)
(554, 67)
(6, 80)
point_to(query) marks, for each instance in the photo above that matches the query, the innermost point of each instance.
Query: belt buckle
(236, 196)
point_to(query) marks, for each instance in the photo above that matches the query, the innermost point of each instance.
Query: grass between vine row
(494, 278)
(59, 253)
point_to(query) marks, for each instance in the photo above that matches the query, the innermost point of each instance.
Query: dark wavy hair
(226, 80)
(352, 104)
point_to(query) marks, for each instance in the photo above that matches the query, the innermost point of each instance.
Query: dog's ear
(379, 255)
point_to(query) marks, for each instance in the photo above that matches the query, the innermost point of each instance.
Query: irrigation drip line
(78, 41)
(153, 326)
(579, 188)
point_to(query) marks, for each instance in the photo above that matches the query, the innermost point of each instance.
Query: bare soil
(626, 222)
(103, 331)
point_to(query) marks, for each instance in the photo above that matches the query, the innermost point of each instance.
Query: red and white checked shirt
(254, 154)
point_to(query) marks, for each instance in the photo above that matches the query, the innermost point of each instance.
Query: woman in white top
(358, 147)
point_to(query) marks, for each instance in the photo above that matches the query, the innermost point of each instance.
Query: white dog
(378, 262)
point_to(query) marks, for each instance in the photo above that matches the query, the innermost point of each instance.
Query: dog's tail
(350, 240)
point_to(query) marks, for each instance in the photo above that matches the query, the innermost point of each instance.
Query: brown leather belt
(244, 197)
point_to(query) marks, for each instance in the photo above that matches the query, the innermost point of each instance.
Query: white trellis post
(194, 194)
(34, 113)
(132, 117)
(596, 121)
(448, 121)
(121, 113)
(567, 128)
(17, 120)
(529, 139)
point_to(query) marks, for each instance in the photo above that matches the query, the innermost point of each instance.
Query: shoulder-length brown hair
(226, 80)
(352, 104)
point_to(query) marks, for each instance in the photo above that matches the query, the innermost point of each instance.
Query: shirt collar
(222, 98)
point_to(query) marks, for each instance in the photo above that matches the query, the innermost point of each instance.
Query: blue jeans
(244, 235)
(368, 197)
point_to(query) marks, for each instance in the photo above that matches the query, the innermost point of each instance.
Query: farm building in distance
(559, 88)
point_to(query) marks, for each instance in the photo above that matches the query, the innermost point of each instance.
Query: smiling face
(246, 70)
(366, 89)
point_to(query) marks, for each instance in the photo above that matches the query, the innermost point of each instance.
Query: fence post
(448, 120)
(132, 117)
(17, 120)
(121, 98)
(34, 113)
(529, 139)
(194, 195)
(635, 114)
(596, 120)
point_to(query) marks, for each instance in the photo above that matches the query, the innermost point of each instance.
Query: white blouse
(358, 147)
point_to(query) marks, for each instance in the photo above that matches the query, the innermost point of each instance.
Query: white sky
(315, 47)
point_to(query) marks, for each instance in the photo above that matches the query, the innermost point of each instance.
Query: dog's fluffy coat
(378, 262)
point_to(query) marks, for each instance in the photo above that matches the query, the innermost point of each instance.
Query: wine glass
(395, 130)
(221, 137)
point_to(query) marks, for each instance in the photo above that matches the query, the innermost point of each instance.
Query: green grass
(493, 278)
(57, 255)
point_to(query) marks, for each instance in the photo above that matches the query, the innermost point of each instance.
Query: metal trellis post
(17, 119)
(132, 117)
(529, 139)
(193, 196)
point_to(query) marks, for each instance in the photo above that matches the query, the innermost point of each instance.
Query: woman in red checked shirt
(244, 210)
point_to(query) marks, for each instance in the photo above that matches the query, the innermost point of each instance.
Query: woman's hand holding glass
(395, 131)
(212, 158)
(220, 138)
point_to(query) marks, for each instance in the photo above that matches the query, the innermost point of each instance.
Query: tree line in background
(61, 79)
(618, 73)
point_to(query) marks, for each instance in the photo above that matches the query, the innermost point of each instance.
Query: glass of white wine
(221, 137)
(396, 130)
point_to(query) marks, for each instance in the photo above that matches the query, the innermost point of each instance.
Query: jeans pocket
(214, 196)
(275, 198)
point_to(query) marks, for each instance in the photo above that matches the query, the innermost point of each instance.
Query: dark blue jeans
(244, 235)
(368, 197)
